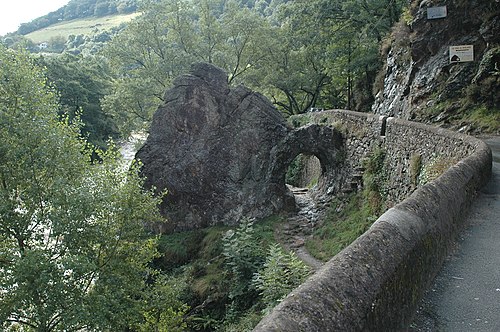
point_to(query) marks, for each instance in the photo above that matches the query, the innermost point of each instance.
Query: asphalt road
(465, 295)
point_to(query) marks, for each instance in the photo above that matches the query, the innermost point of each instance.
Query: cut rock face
(217, 150)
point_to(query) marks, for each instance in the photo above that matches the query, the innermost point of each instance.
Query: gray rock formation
(421, 84)
(222, 152)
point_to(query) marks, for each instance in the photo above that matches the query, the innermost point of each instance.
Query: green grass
(340, 229)
(86, 26)
(348, 219)
(488, 120)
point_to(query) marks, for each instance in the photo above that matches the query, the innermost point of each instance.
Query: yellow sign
(462, 53)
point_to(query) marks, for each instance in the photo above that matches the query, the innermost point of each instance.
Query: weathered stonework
(376, 282)
(222, 152)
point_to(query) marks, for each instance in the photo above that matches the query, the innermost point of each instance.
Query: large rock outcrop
(222, 152)
(420, 83)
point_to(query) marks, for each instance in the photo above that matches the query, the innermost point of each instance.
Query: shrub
(243, 256)
(281, 273)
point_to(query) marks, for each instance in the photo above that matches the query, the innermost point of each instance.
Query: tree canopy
(300, 54)
(73, 253)
(81, 83)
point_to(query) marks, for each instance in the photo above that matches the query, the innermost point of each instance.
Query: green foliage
(299, 54)
(334, 44)
(374, 178)
(164, 311)
(281, 273)
(246, 322)
(203, 259)
(483, 118)
(243, 256)
(73, 253)
(300, 172)
(179, 248)
(81, 83)
(299, 120)
(167, 38)
(294, 171)
(343, 224)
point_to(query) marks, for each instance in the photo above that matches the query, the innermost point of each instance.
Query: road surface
(465, 295)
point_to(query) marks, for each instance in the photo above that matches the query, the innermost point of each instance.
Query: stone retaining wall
(375, 283)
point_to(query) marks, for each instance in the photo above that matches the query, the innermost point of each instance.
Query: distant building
(43, 45)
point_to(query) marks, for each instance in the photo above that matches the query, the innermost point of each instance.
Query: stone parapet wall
(361, 135)
(375, 283)
(406, 140)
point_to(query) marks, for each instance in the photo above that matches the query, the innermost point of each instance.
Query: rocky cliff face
(222, 152)
(419, 82)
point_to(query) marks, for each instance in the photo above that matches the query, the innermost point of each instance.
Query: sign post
(461, 53)
(436, 12)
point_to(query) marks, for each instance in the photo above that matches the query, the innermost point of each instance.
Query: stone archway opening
(304, 172)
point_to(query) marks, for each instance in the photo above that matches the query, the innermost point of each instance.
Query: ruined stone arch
(323, 142)
(222, 152)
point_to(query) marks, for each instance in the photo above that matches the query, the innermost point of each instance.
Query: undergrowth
(219, 265)
(349, 217)
(434, 168)
(484, 119)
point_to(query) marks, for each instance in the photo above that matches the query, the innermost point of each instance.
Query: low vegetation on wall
(351, 215)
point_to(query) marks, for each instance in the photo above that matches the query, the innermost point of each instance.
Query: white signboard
(462, 53)
(436, 12)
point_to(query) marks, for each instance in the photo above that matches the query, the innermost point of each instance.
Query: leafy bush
(243, 256)
(178, 249)
(164, 312)
(281, 273)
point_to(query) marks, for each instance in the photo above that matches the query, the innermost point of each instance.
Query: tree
(248, 37)
(73, 253)
(101, 8)
(57, 44)
(331, 48)
(167, 38)
(81, 83)
(151, 51)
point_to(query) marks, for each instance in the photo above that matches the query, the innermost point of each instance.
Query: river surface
(129, 147)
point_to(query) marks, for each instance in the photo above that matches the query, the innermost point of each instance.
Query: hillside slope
(84, 26)
(78, 9)
(419, 82)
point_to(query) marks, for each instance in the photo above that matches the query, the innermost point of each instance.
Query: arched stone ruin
(223, 152)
